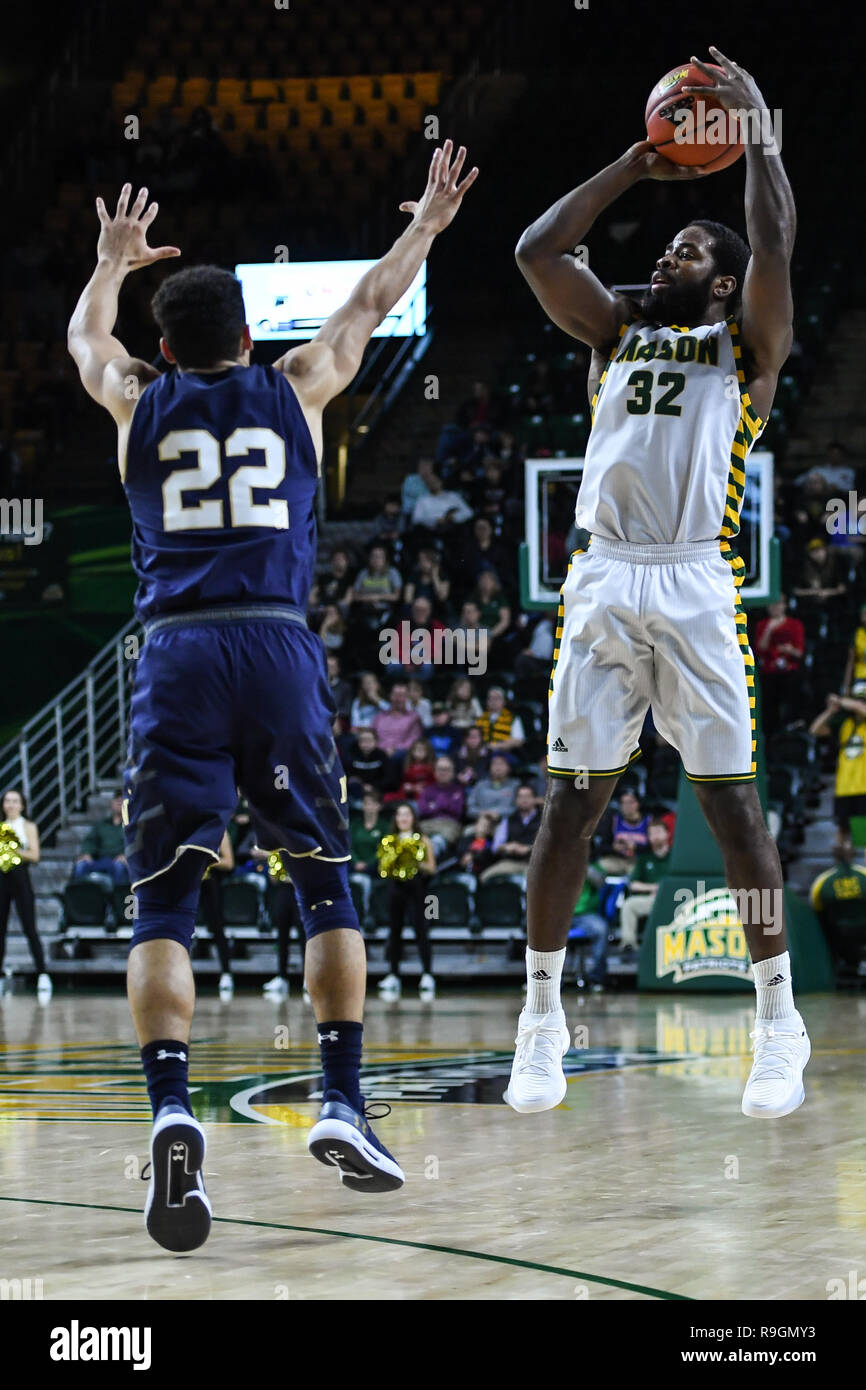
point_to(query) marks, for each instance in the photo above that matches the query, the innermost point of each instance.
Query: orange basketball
(687, 128)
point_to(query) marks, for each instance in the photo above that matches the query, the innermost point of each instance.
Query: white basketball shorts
(660, 626)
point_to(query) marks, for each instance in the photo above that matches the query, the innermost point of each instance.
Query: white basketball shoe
(537, 1079)
(775, 1084)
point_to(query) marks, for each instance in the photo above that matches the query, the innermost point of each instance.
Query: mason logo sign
(706, 937)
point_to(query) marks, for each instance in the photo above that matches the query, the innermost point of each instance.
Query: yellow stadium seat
(395, 138)
(393, 86)
(310, 115)
(161, 91)
(360, 89)
(294, 89)
(362, 137)
(230, 91)
(276, 116)
(377, 113)
(246, 118)
(410, 114)
(263, 90)
(195, 92)
(328, 89)
(124, 96)
(427, 86)
(343, 114)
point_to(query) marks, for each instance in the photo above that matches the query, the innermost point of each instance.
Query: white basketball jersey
(672, 425)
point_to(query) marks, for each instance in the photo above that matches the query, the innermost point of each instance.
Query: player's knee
(324, 897)
(165, 906)
(572, 812)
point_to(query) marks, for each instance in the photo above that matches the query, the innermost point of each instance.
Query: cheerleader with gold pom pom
(19, 847)
(406, 861)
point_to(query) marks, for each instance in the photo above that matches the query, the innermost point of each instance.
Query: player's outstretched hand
(653, 165)
(733, 87)
(443, 194)
(123, 237)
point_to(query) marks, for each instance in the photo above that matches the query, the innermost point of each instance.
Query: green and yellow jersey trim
(614, 350)
(749, 426)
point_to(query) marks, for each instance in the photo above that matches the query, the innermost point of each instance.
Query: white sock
(773, 985)
(543, 976)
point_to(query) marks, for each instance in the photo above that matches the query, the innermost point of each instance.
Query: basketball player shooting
(681, 385)
(220, 462)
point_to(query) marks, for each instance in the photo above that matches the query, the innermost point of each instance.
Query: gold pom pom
(9, 847)
(400, 856)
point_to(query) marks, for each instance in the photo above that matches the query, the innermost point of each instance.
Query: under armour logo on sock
(558, 747)
(540, 975)
(776, 980)
(333, 1036)
(162, 1055)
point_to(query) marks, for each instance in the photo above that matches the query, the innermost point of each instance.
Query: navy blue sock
(166, 1068)
(341, 1059)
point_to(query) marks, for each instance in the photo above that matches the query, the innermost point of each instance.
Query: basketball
(704, 138)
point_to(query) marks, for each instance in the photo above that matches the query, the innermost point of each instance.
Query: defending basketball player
(681, 385)
(220, 461)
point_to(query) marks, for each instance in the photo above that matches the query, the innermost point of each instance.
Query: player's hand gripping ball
(691, 128)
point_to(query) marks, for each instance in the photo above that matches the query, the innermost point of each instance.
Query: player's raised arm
(568, 291)
(103, 362)
(324, 367)
(767, 313)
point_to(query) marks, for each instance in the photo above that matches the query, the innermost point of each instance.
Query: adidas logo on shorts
(558, 747)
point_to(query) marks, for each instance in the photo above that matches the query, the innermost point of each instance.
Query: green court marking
(388, 1240)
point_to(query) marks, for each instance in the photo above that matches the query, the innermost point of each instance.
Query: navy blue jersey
(221, 478)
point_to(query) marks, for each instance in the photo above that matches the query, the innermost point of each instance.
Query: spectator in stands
(15, 884)
(588, 921)
(846, 717)
(649, 868)
(427, 581)
(365, 833)
(443, 736)
(415, 486)
(367, 702)
(780, 645)
(409, 893)
(377, 587)
(464, 708)
(536, 659)
(494, 792)
(472, 758)
(491, 495)
(820, 574)
(484, 551)
(500, 729)
(389, 525)
(440, 511)
(397, 727)
(475, 846)
(476, 635)
(367, 765)
(838, 896)
(336, 585)
(341, 689)
(514, 837)
(414, 642)
(419, 702)
(441, 805)
(102, 849)
(332, 628)
(855, 669)
(418, 772)
(212, 912)
(495, 610)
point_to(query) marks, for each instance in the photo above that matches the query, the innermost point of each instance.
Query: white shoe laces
(546, 1037)
(775, 1053)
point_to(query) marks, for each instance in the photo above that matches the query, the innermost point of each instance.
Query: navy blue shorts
(219, 706)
